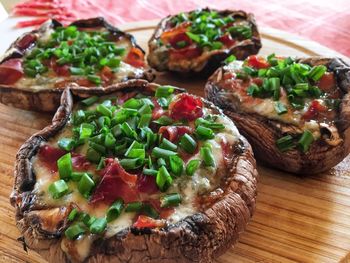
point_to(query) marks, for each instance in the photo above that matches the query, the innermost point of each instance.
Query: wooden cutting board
(298, 219)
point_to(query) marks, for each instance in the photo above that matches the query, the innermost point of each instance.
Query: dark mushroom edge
(294, 112)
(185, 43)
(198, 237)
(92, 53)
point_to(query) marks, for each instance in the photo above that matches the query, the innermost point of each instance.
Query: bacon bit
(49, 155)
(147, 184)
(135, 58)
(227, 40)
(157, 111)
(59, 70)
(257, 62)
(26, 41)
(79, 162)
(186, 106)
(327, 82)
(171, 34)
(173, 133)
(314, 109)
(11, 71)
(148, 222)
(185, 53)
(115, 183)
(107, 75)
(180, 37)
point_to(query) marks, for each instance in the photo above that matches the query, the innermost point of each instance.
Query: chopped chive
(58, 189)
(162, 153)
(133, 207)
(115, 210)
(151, 172)
(85, 185)
(192, 166)
(74, 231)
(176, 165)
(149, 210)
(285, 143)
(98, 226)
(317, 72)
(164, 91)
(207, 155)
(305, 141)
(130, 164)
(66, 144)
(93, 155)
(102, 109)
(204, 133)
(145, 120)
(280, 108)
(64, 165)
(163, 179)
(73, 214)
(188, 143)
(94, 79)
(168, 145)
(170, 200)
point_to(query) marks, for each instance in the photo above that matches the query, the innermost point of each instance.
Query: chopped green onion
(317, 72)
(102, 109)
(148, 210)
(73, 214)
(163, 179)
(280, 108)
(204, 133)
(305, 141)
(58, 189)
(285, 143)
(133, 207)
(98, 226)
(164, 91)
(145, 120)
(161, 162)
(188, 143)
(86, 130)
(115, 210)
(93, 155)
(192, 166)
(130, 164)
(207, 155)
(229, 59)
(64, 165)
(85, 185)
(94, 79)
(162, 153)
(66, 144)
(76, 176)
(170, 200)
(151, 172)
(164, 120)
(176, 165)
(74, 231)
(109, 141)
(168, 145)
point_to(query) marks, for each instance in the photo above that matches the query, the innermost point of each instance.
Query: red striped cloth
(323, 21)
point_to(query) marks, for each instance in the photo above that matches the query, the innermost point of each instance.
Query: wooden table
(298, 219)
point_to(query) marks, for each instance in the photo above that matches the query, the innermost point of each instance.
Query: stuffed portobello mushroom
(92, 53)
(198, 41)
(294, 111)
(145, 173)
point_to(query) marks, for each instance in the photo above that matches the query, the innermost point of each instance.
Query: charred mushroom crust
(49, 100)
(244, 49)
(262, 133)
(197, 238)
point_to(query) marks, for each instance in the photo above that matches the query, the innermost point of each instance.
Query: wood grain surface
(298, 219)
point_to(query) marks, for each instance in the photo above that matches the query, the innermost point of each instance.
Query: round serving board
(298, 219)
